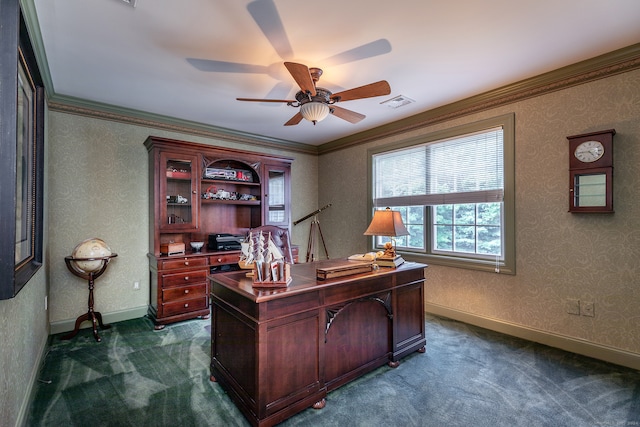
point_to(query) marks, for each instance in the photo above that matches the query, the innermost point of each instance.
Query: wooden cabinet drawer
(340, 294)
(221, 259)
(184, 306)
(183, 278)
(184, 292)
(172, 264)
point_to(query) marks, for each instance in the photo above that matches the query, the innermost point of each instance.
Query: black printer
(225, 242)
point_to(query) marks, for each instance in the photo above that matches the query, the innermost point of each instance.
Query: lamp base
(392, 262)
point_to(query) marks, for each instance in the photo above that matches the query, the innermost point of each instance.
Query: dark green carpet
(468, 377)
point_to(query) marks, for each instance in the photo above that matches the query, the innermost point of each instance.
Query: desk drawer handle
(186, 291)
(186, 263)
(186, 305)
(219, 259)
(186, 277)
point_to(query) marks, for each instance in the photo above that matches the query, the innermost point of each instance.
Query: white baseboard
(116, 316)
(574, 345)
(23, 414)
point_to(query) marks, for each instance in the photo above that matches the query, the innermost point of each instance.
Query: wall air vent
(397, 101)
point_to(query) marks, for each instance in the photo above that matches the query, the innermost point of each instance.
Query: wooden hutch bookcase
(196, 190)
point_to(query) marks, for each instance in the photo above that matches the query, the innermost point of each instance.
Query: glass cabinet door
(276, 199)
(178, 185)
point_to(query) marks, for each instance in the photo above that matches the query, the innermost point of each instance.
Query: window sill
(459, 262)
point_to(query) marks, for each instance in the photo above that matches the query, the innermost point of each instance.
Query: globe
(90, 248)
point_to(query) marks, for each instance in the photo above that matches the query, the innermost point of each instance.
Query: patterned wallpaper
(98, 187)
(23, 334)
(559, 256)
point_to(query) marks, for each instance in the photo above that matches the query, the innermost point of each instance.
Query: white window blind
(463, 169)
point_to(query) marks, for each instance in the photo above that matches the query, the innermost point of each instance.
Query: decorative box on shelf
(172, 248)
(178, 174)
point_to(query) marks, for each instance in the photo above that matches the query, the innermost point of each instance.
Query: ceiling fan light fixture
(314, 111)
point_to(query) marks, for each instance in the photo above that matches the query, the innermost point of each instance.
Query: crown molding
(33, 28)
(616, 62)
(81, 107)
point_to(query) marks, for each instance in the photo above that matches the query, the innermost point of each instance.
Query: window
(276, 197)
(455, 191)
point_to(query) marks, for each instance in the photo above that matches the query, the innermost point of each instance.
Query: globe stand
(93, 316)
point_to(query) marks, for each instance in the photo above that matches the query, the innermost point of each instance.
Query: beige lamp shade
(386, 223)
(314, 111)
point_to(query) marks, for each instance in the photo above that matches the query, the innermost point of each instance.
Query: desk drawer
(184, 292)
(184, 306)
(183, 278)
(222, 259)
(358, 289)
(172, 264)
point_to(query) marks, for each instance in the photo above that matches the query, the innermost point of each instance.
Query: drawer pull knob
(186, 291)
(219, 259)
(186, 263)
(186, 305)
(186, 277)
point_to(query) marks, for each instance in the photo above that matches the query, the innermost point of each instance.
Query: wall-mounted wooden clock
(591, 172)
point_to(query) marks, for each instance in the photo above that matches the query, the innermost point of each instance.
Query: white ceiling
(160, 56)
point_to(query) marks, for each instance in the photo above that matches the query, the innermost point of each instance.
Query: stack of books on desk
(390, 262)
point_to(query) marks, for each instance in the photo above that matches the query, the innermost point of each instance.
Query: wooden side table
(91, 315)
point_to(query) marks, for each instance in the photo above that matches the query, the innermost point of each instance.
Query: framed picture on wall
(22, 159)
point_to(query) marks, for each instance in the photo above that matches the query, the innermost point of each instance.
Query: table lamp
(387, 223)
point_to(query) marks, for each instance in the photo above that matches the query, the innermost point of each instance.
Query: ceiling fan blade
(279, 91)
(375, 48)
(302, 76)
(344, 114)
(294, 120)
(266, 15)
(264, 100)
(366, 91)
(226, 67)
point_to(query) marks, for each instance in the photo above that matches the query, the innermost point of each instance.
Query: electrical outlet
(573, 306)
(136, 285)
(587, 309)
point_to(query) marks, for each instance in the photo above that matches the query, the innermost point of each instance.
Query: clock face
(589, 151)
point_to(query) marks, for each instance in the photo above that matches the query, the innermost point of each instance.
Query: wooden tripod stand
(314, 231)
(311, 246)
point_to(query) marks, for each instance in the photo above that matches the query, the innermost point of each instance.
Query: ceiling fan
(317, 103)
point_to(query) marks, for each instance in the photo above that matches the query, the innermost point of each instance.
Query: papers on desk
(368, 257)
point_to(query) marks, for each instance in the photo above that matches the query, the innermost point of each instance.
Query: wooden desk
(278, 352)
